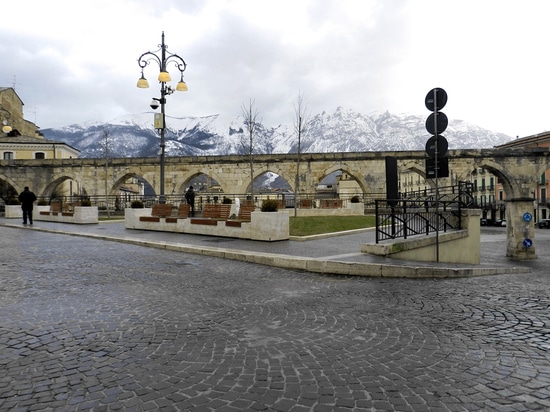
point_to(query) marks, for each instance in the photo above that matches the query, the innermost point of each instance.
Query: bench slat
(211, 222)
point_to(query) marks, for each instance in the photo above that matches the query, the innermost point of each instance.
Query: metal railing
(117, 204)
(423, 213)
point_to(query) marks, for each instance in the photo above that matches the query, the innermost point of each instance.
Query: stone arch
(413, 165)
(123, 179)
(405, 168)
(349, 171)
(184, 183)
(9, 187)
(285, 174)
(497, 169)
(259, 173)
(52, 188)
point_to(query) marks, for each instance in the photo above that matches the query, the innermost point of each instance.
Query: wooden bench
(68, 213)
(158, 211)
(330, 204)
(55, 208)
(183, 213)
(306, 203)
(244, 216)
(212, 213)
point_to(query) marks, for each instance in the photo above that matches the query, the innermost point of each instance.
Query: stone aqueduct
(518, 170)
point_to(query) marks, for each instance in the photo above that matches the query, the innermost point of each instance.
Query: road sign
(440, 96)
(442, 146)
(527, 217)
(442, 169)
(440, 124)
(527, 243)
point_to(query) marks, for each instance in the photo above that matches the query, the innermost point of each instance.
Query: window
(8, 155)
(39, 155)
(543, 195)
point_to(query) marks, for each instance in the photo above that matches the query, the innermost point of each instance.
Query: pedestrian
(27, 198)
(190, 197)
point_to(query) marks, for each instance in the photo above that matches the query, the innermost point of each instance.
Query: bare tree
(248, 139)
(300, 127)
(105, 146)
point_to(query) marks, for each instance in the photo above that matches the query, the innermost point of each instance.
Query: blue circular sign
(527, 217)
(527, 243)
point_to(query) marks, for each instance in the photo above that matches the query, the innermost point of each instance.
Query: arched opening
(207, 190)
(490, 187)
(271, 185)
(7, 194)
(334, 190)
(338, 184)
(125, 190)
(64, 188)
(202, 184)
(412, 183)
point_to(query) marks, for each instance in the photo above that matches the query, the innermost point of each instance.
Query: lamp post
(163, 60)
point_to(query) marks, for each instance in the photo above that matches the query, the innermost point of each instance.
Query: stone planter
(270, 226)
(356, 208)
(85, 214)
(41, 208)
(131, 217)
(80, 215)
(13, 212)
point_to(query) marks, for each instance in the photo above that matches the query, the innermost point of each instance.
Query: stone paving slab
(88, 324)
(321, 254)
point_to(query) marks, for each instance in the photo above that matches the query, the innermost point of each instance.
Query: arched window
(39, 155)
(8, 155)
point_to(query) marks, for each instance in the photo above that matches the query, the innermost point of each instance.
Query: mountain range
(343, 130)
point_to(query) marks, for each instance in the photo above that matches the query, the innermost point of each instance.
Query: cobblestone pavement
(93, 325)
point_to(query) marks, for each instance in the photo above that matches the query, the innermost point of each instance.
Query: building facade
(540, 192)
(21, 139)
(24, 140)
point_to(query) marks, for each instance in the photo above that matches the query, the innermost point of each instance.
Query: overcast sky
(76, 61)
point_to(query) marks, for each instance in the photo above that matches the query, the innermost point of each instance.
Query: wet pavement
(99, 325)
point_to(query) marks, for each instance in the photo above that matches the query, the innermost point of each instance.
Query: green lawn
(314, 225)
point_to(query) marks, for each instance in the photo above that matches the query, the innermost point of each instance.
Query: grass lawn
(314, 225)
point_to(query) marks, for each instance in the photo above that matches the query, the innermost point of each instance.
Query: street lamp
(163, 60)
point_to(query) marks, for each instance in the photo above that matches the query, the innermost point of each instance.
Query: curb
(313, 265)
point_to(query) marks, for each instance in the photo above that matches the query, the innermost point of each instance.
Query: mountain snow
(343, 130)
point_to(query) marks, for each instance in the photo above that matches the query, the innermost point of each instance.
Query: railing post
(405, 220)
(393, 222)
(377, 234)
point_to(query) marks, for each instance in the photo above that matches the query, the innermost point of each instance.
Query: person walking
(27, 198)
(190, 197)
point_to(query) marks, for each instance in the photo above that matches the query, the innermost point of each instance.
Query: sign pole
(436, 180)
(436, 166)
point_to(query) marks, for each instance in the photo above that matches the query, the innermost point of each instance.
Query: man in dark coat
(190, 197)
(27, 198)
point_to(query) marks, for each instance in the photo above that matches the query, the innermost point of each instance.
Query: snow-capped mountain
(341, 131)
